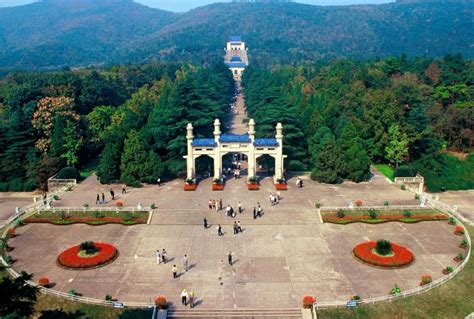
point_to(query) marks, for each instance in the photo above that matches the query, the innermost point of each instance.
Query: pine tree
(109, 165)
(397, 147)
(328, 166)
(134, 156)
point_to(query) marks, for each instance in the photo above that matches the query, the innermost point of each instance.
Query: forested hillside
(57, 33)
(133, 118)
(343, 115)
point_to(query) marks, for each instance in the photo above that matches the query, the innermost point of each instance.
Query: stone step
(235, 313)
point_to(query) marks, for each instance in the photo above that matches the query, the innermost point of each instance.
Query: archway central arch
(246, 144)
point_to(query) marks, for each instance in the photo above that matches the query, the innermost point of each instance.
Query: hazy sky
(184, 5)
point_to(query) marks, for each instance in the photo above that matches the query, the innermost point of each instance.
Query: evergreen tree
(328, 166)
(109, 165)
(134, 156)
(17, 298)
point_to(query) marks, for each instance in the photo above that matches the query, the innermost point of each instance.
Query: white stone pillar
(279, 157)
(190, 156)
(217, 150)
(251, 161)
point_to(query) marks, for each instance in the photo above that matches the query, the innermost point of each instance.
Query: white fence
(96, 209)
(60, 183)
(355, 208)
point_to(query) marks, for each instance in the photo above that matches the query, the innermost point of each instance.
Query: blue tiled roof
(235, 59)
(204, 142)
(265, 142)
(234, 138)
(236, 38)
(236, 64)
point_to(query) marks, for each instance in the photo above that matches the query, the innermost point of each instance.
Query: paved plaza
(279, 257)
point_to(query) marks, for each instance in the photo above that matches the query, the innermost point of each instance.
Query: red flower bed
(217, 187)
(308, 301)
(253, 187)
(401, 255)
(190, 187)
(281, 186)
(70, 257)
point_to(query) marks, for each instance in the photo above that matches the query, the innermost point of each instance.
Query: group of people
(100, 199)
(187, 298)
(161, 256)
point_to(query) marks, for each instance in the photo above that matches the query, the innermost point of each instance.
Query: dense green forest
(343, 115)
(338, 117)
(56, 33)
(132, 117)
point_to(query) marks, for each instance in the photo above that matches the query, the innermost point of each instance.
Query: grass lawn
(386, 169)
(454, 299)
(89, 168)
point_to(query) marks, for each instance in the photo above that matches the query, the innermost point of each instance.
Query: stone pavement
(274, 264)
(463, 199)
(280, 257)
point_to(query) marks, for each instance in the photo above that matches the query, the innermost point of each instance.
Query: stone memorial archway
(245, 144)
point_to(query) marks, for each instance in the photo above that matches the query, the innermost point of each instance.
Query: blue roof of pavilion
(265, 142)
(204, 142)
(235, 59)
(236, 64)
(235, 138)
(236, 38)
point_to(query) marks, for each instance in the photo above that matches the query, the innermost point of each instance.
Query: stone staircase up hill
(235, 313)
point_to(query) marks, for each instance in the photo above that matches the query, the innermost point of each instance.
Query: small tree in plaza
(383, 247)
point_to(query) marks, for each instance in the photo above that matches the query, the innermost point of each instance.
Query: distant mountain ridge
(55, 33)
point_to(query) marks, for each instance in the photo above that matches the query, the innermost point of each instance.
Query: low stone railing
(55, 183)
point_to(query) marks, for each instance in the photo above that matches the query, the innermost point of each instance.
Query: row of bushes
(18, 185)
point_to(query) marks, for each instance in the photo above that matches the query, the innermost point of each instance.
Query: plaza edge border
(31, 209)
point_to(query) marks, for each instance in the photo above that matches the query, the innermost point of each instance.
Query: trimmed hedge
(68, 173)
(404, 171)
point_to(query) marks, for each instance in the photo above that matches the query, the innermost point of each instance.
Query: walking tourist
(174, 270)
(235, 228)
(210, 204)
(191, 299)
(259, 211)
(220, 204)
(254, 213)
(240, 208)
(205, 223)
(185, 263)
(229, 257)
(158, 256)
(227, 211)
(239, 227)
(270, 198)
(103, 198)
(112, 194)
(184, 297)
(164, 255)
(158, 181)
(97, 199)
(124, 191)
(219, 231)
(232, 212)
(278, 196)
(44, 199)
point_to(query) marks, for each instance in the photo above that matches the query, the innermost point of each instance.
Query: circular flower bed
(77, 258)
(399, 257)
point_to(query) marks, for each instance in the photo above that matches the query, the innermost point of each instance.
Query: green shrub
(16, 185)
(89, 247)
(355, 298)
(8, 259)
(407, 213)
(383, 247)
(449, 269)
(96, 214)
(30, 185)
(340, 213)
(62, 215)
(108, 298)
(417, 196)
(68, 173)
(153, 206)
(73, 292)
(4, 187)
(372, 214)
(128, 216)
(403, 187)
(404, 171)
(386, 203)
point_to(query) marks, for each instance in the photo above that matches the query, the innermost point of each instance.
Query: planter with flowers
(463, 244)
(252, 184)
(281, 185)
(217, 184)
(44, 282)
(308, 302)
(425, 280)
(190, 184)
(459, 230)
